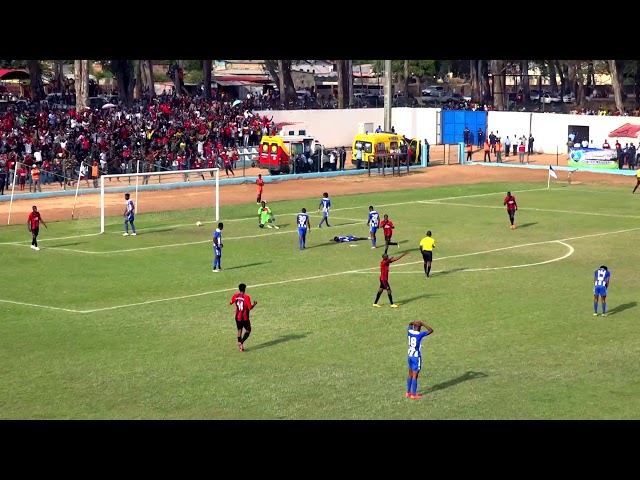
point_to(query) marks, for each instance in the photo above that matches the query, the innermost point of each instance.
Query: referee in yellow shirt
(637, 181)
(427, 244)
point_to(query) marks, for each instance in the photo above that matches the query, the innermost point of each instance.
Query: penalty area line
(570, 252)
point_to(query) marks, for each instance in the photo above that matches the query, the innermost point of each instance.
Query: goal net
(192, 195)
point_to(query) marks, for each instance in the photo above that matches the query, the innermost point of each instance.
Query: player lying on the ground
(348, 238)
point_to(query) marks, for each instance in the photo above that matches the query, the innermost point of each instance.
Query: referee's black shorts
(427, 255)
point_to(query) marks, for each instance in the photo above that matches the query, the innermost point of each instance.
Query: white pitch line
(315, 277)
(525, 209)
(485, 269)
(142, 229)
(197, 242)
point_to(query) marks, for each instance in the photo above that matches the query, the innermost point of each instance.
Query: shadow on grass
(622, 308)
(331, 242)
(246, 265)
(157, 230)
(280, 225)
(271, 343)
(404, 301)
(446, 272)
(59, 245)
(525, 225)
(455, 381)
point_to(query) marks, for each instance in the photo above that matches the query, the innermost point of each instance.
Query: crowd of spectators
(168, 133)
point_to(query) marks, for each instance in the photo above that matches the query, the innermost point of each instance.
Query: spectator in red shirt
(512, 208)
(33, 224)
(387, 229)
(384, 278)
(243, 304)
(22, 176)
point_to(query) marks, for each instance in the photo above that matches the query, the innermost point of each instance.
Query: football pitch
(101, 326)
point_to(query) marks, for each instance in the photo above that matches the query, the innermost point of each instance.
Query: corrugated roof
(10, 73)
(241, 78)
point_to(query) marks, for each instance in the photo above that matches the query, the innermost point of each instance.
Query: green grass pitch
(111, 327)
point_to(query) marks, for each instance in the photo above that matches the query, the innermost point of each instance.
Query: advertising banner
(592, 158)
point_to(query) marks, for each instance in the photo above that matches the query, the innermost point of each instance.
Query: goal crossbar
(137, 175)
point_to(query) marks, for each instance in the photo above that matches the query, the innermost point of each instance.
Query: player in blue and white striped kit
(373, 222)
(601, 278)
(302, 221)
(414, 356)
(129, 216)
(217, 249)
(325, 204)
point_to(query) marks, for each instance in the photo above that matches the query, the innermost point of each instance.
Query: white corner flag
(552, 173)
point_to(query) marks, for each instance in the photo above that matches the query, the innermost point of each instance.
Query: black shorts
(511, 213)
(246, 324)
(427, 255)
(384, 284)
(35, 231)
(387, 238)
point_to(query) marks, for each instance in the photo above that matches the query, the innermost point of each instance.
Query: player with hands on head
(414, 356)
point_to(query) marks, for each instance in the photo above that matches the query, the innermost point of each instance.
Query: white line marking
(35, 305)
(524, 209)
(484, 269)
(315, 277)
(184, 244)
(148, 229)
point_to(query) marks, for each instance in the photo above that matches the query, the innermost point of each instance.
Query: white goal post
(137, 176)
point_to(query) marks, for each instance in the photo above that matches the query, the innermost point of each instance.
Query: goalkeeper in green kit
(265, 217)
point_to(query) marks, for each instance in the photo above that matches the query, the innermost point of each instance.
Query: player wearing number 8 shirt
(243, 304)
(414, 357)
(601, 278)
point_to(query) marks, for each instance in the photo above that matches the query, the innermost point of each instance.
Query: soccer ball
(199, 223)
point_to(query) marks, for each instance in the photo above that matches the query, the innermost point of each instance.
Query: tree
(474, 80)
(615, 82)
(137, 92)
(207, 65)
(405, 77)
(280, 72)
(498, 69)
(81, 77)
(124, 72)
(146, 74)
(35, 75)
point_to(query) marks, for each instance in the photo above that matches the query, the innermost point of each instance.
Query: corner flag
(552, 173)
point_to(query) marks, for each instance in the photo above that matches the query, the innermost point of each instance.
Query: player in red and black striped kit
(387, 227)
(384, 278)
(243, 304)
(33, 223)
(512, 208)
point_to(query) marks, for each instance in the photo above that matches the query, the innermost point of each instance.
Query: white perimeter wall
(551, 130)
(334, 128)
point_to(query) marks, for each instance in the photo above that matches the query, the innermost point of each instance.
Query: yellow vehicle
(371, 143)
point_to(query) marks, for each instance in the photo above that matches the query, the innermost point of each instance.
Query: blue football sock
(595, 307)
(409, 384)
(414, 386)
(133, 229)
(604, 307)
(300, 243)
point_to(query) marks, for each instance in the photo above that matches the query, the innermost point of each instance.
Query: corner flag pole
(137, 179)
(548, 179)
(13, 187)
(77, 188)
